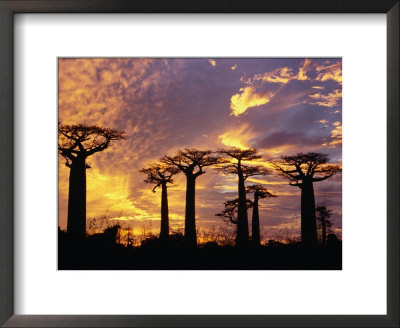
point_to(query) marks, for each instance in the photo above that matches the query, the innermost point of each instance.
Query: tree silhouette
(161, 174)
(191, 162)
(236, 165)
(260, 192)
(323, 216)
(303, 170)
(76, 143)
(230, 212)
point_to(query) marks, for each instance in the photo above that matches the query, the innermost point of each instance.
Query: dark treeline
(77, 249)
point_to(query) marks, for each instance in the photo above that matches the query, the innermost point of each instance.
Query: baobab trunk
(76, 225)
(190, 222)
(164, 231)
(242, 235)
(308, 217)
(255, 223)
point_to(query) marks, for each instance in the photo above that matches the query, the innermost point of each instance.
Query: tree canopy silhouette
(191, 162)
(323, 215)
(303, 170)
(230, 211)
(76, 143)
(161, 174)
(260, 192)
(236, 165)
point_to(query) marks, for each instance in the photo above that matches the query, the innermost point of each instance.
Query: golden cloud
(329, 100)
(284, 75)
(231, 142)
(331, 72)
(248, 98)
(302, 74)
(336, 136)
(237, 137)
(280, 75)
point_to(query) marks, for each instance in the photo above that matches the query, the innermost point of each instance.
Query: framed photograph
(213, 164)
(111, 218)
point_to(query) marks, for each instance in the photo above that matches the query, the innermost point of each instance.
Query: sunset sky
(279, 106)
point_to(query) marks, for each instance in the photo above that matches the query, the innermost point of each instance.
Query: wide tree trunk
(255, 223)
(242, 233)
(76, 225)
(190, 222)
(308, 217)
(164, 231)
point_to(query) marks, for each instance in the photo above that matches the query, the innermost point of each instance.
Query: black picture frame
(10, 7)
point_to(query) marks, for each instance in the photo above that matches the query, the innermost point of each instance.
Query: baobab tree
(161, 174)
(323, 216)
(303, 170)
(236, 165)
(259, 192)
(192, 163)
(230, 212)
(76, 143)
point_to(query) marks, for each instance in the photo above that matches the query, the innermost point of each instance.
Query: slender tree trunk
(255, 223)
(190, 221)
(242, 234)
(308, 217)
(76, 225)
(164, 231)
(323, 231)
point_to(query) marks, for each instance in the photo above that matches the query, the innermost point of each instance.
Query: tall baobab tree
(161, 174)
(236, 165)
(260, 192)
(76, 143)
(303, 170)
(323, 216)
(192, 163)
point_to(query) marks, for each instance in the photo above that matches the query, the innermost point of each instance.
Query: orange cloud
(93, 90)
(212, 62)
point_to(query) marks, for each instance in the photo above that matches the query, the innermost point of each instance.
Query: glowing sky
(279, 106)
